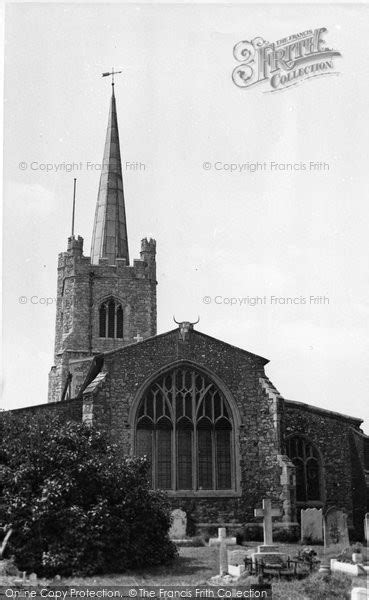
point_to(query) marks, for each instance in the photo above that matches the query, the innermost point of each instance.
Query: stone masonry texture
(263, 423)
(81, 289)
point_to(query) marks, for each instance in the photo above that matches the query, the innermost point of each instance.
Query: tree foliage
(76, 506)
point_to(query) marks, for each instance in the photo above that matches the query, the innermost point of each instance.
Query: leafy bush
(75, 505)
(308, 556)
(253, 532)
(309, 541)
(286, 536)
(346, 553)
(357, 547)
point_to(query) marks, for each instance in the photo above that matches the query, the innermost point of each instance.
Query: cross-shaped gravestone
(223, 542)
(223, 556)
(267, 512)
(228, 540)
(138, 338)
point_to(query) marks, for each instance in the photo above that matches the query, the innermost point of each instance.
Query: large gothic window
(111, 319)
(184, 426)
(308, 473)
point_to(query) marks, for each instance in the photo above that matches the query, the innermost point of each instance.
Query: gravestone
(236, 570)
(236, 561)
(267, 512)
(33, 579)
(179, 525)
(226, 575)
(237, 557)
(268, 551)
(218, 540)
(312, 525)
(359, 593)
(223, 558)
(335, 528)
(366, 527)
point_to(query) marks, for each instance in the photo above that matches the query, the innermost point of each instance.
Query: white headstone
(179, 524)
(359, 593)
(236, 570)
(237, 557)
(312, 525)
(366, 527)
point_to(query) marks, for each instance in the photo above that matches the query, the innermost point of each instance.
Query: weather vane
(112, 73)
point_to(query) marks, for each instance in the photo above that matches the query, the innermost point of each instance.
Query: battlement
(148, 245)
(75, 245)
(73, 263)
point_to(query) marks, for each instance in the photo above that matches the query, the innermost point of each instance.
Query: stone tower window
(185, 427)
(111, 319)
(306, 459)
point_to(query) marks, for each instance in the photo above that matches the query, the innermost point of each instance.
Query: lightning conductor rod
(74, 205)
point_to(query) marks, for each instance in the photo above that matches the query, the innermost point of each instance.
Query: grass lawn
(195, 566)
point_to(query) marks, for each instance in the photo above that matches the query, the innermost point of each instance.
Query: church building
(218, 434)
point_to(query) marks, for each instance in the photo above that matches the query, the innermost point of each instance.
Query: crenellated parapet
(73, 262)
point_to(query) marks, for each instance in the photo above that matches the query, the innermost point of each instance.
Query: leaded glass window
(184, 426)
(305, 457)
(111, 319)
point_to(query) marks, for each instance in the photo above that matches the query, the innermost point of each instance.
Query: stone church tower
(103, 302)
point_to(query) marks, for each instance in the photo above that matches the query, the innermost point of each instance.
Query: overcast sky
(219, 234)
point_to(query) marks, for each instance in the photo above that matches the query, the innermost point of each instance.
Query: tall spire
(109, 238)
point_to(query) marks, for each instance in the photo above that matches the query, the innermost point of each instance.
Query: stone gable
(237, 372)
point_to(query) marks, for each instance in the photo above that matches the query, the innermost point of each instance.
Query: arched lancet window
(306, 459)
(184, 426)
(111, 319)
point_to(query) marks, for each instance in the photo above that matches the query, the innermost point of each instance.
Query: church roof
(323, 411)
(95, 383)
(109, 238)
(200, 334)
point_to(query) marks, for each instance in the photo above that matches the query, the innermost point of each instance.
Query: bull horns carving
(189, 322)
(185, 327)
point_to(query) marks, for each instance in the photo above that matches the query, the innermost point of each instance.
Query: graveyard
(196, 566)
(328, 568)
(49, 538)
